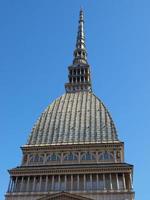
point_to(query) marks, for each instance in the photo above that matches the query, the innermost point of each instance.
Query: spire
(79, 72)
(80, 54)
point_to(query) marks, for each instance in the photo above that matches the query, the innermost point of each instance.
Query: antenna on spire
(80, 54)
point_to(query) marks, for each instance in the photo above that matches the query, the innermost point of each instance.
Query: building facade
(73, 151)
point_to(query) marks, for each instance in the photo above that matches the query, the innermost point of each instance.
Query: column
(84, 178)
(79, 157)
(27, 163)
(97, 156)
(27, 187)
(124, 182)
(117, 182)
(15, 184)
(91, 181)
(53, 182)
(21, 186)
(59, 182)
(111, 182)
(12, 185)
(40, 183)
(131, 182)
(9, 187)
(71, 182)
(104, 181)
(78, 181)
(97, 181)
(61, 158)
(33, 187)
(44, 161)
(115, 157)
(65, 182)
(46, 183)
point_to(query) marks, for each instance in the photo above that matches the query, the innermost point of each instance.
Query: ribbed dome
(74, 118)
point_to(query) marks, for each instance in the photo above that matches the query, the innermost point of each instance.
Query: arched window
(71, 156)
(53, 157)
(87, 156)
(36, 158)
(41, 158)
(106, 156)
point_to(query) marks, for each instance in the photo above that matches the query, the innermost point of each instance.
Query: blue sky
(37, 39)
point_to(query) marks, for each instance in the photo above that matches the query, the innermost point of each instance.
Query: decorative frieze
(63, 157)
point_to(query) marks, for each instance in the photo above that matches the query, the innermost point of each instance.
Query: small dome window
(87, 156)
(53, 157)
(36, 158)
(106, 156)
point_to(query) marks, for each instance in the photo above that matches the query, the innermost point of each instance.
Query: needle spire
(80, 54)
(79, 72)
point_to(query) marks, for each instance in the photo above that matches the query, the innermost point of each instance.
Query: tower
(73, 151)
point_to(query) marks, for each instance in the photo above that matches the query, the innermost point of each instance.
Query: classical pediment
(63, 196)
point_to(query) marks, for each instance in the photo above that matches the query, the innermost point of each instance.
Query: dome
(74, 118)
(78, 116)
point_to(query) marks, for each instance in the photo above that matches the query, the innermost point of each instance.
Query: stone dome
(74, 118)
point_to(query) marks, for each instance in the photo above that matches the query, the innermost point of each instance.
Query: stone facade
(97, 171)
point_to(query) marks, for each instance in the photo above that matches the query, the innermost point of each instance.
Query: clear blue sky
(37, 39)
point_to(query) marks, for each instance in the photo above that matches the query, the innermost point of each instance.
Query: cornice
(80, 147)
(70, 170)
(103, 192)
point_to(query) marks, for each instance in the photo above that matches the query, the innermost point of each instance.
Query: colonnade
(75, 182)
(79, 75)
(80, 79)
(79, 71)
